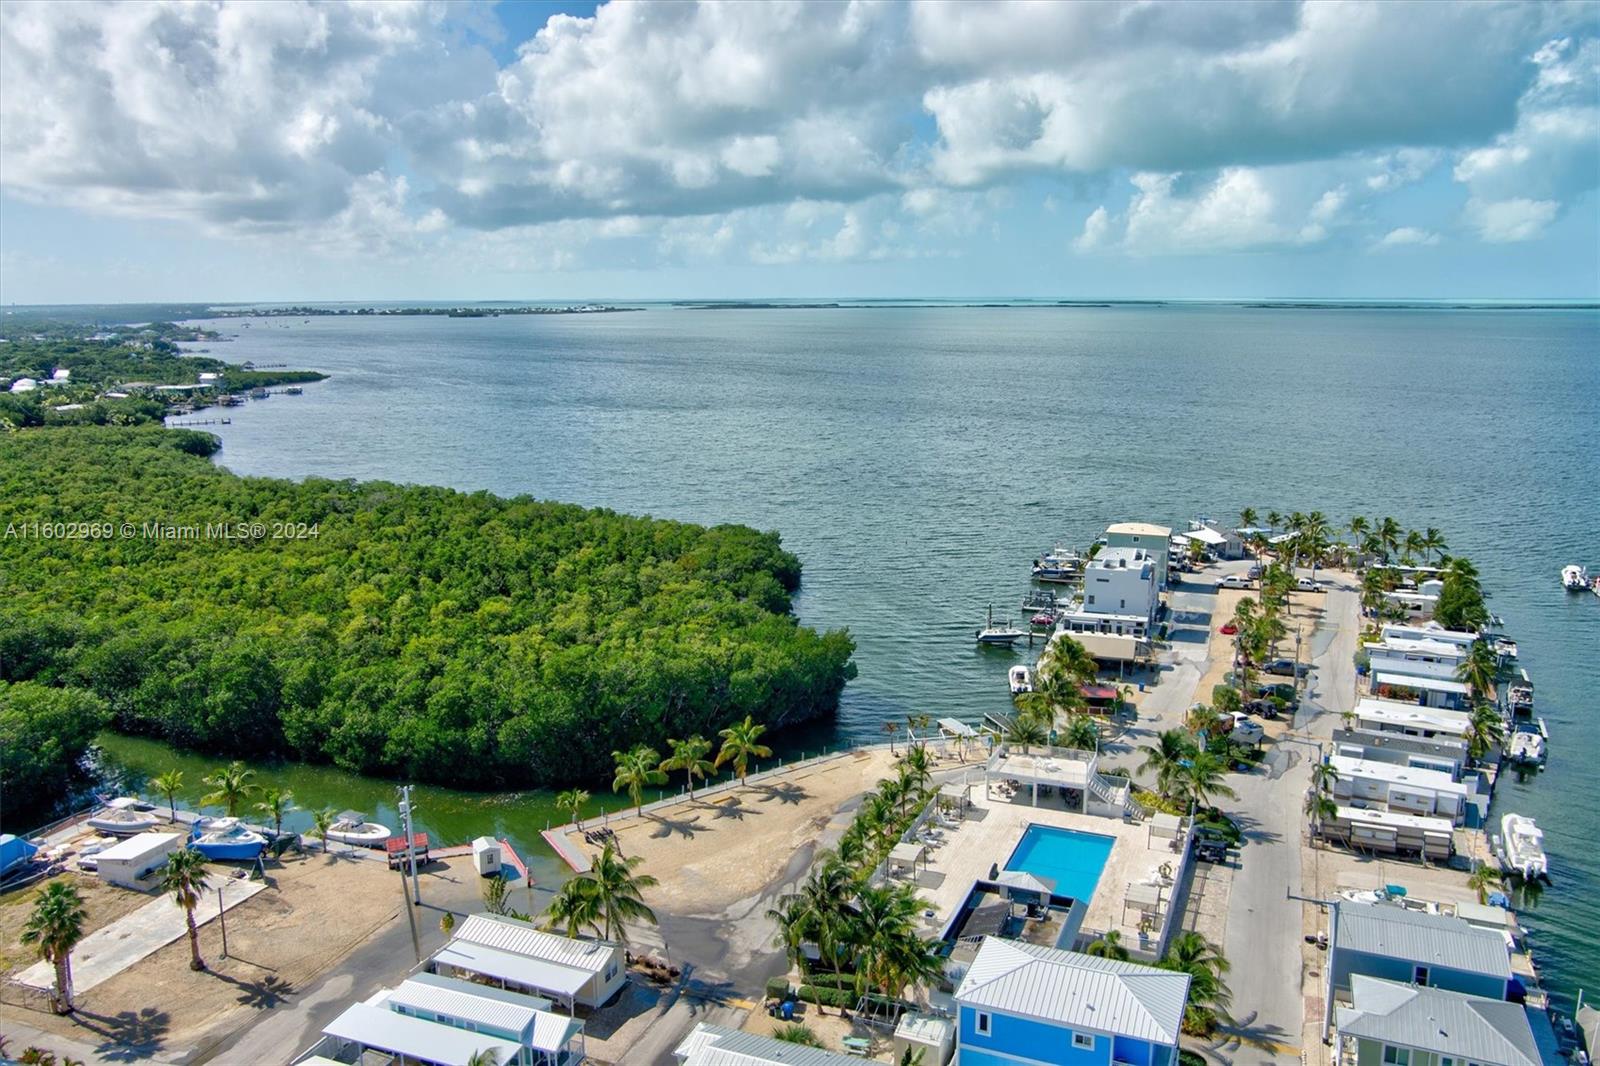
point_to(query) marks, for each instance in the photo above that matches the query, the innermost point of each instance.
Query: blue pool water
(1073, 860)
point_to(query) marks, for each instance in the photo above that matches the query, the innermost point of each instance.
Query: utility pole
(411, 916)
(411, 842)
(222, 916)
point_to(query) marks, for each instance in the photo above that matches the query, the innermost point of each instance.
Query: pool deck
(990, 838)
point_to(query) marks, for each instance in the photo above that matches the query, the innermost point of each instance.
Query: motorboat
(1002, 633)
(1060, 566)
(1043, 618)
(1021, 678)
(352, 827)
(226, 838)
(123, 821)
(1522, 847)
(1519, 694)
(1527, 747)
(1505, 648)
(1574, 578)
(15, 853)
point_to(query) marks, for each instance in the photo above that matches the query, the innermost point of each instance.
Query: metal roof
(715, 1045)
(1425, 939)
(1431, 684)
(551, 1032)
(384, 1030)
(1487, 1031)
(1396, 774)
(561, 981)
(458, 1003)
(139, 846)
(504, 995)
(1142, 529)
(513, 934)
(1436, 718)
(1081, 991)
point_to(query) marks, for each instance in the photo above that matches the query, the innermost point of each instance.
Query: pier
(201, 422)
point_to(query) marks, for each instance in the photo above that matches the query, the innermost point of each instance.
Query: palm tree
(185, 877)
(636, 768)
(230, 787)
(485, 1057)
(1247, 518)
(1081, 733)
(1109, 946)
(321, 822)
(1433, 543)
(690, 757)
(54, 927)
(1209, 997)
(618, 891)
(169, 785)
(575, 908)
(1026, 730)
(1484, 877)
(1318, 807)
(1166, 758)
(1323, 777)
(1485, 730)
(917, 768)
(1202, 779)
(1481, 670)
(1411, 547)
(890, 729)
(739, 745)
(1359, 527)
(573, 801)
(1389, 533)
(1274, 521)
(275, 803)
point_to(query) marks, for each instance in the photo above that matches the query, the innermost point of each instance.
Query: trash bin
(787, 1010)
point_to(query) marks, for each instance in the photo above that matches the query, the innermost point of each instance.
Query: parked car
(1261, 708)
(1228, 629)
(1246, 730)
(1233, 581)
(1287, 667)
(1305, 584)
(1212, 851)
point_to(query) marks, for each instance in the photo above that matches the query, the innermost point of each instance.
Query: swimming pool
(1073, 860)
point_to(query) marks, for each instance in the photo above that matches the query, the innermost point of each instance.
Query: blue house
(1414, 948)
(1022, 1003)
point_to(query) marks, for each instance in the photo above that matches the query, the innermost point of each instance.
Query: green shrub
(842, 998)
(778, 988)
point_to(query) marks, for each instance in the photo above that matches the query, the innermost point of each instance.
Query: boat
(15, 853)
(259, 393)
(1522, 847)
(226, 838)
(294, 390)
(1574, 578)
(1059, 566)
(123, 821)
(1505, 648)
(1043, 618)
(1519, 694)
(1002, 634)
(352, 827)
(1021, 678)
(1527, 748)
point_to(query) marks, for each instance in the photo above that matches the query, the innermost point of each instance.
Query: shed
(486, 856)
(125, 862)
(928, 1033)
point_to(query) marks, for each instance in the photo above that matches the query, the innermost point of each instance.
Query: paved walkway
(106, 952)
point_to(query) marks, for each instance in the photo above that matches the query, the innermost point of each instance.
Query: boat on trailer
(352, 827)
(226, 838)
(122, 817)
(1522, 847)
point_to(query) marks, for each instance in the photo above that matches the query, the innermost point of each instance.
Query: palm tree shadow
(262, 994)
(786, 792)
(735, 810)
(666, 827)
(128, 1036)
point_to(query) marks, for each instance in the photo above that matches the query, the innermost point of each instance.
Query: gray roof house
(1389, 1022)
(1413, 947)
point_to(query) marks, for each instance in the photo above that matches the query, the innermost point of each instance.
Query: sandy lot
(710, 853)
(105, 904)
(316, 909)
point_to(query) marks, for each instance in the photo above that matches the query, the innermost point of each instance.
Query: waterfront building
(717, 1045)
(1425, 658)
(1418, 605)
(1397, 943)
(1412, 720)
(1444, 753)
(366, 1028)
(1389, 1023)
(519, 956)
(1405, 789)
(1021, 1004)
(1154, 540)
(1121, 591)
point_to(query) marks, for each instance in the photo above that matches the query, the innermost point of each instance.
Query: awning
(1206, 536)
(562, 982)
(956, 728)
(1422, 684)
(907, 854)
(1144, 897)
(954, 789)
(398, 1034)
(1165, 825)
(552, 1032)
(1021, 879)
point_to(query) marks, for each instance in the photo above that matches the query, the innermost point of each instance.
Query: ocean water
(918, 458)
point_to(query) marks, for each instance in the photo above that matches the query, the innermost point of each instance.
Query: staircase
(1117, 792)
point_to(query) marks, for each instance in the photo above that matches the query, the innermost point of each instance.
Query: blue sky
(564, 151)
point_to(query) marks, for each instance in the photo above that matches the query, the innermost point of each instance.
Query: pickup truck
(1305, 584)
(1233, 581)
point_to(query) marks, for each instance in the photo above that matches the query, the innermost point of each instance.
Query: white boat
(1003, 633)
(122, 821)
(1519, 694)
(352, 827)
(1522, 847)
(1526, 747)
(1505, 648)
(1021, 678)
(1574, 578)
(1061, 566)
(226, 838)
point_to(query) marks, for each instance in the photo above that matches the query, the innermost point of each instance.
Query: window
(982, 1023)
(1091, 597)
(1083, 1040)
(1447, 1061)
(1396, 1056)
(1419, 976)
(611, 971)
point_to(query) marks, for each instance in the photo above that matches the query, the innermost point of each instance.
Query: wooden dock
(572, 856)
(201, 422)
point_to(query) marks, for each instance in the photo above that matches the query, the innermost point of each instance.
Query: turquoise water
(1073, 860)
(918, 458)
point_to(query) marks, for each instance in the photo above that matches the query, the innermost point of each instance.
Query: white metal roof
(1428, 631)
(1424, 939)
(1027, 882)
(957, 728)
(457, 1003)
(1045, 769)
(1474, 1028)
(1205, 535)
(384, 1030)
(1396, 774)
(1442, 649)
(715, 1045)
(562, 981)
(523, 938)
(1429, 684)
(504, 995)
(1141, 529)
(551, 1032)
(1081, 991)
(139, 846)
(1394, 820)
(1408, 714)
